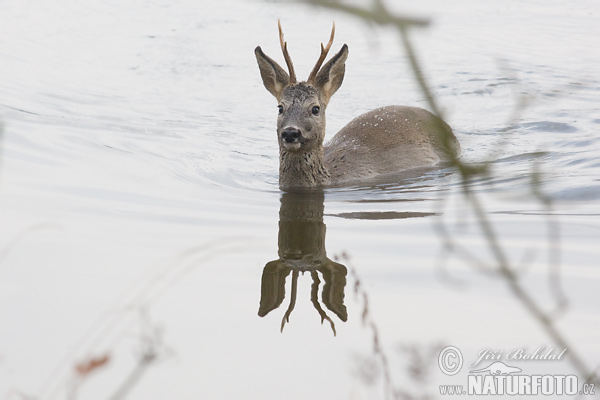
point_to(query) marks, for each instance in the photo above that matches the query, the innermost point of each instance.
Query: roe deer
(384, 140)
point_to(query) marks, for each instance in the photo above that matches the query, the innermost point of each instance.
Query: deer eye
(315, 110)
(280, 107)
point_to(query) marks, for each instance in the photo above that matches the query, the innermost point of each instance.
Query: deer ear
(334, 275)
(274, 77)
(272, 288)
(331, 75)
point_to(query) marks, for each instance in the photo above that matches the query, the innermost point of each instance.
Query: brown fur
(385, 140)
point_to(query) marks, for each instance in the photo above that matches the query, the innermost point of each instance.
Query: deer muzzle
(292, 138)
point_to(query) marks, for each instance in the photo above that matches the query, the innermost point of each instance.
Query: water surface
(141, 213)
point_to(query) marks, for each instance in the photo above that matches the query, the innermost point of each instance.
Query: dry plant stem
(134, 377)
(368, 321)
(101, 335)
(512, 280)
(379, 14)
(451, 246)
(152, 348)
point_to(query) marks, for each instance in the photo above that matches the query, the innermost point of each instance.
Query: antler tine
(324, 51)
(286, 55)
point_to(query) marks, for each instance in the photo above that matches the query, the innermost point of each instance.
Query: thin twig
(378, 14)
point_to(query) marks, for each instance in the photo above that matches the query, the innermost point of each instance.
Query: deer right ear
(274, 77)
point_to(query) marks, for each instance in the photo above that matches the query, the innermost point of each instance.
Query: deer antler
(286, 55)
(324, 51)
(314, 298)
(286, 316)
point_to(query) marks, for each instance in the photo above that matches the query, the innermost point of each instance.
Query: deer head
(301, 105)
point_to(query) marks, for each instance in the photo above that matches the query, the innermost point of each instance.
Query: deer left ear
(331, 75)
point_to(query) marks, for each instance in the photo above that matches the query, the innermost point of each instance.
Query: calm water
(141, 214)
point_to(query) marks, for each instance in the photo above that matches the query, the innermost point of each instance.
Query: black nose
(290, 135)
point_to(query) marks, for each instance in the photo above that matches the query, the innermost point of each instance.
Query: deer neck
(302, 168)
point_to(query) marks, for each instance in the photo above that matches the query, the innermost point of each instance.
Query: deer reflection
(302, 249)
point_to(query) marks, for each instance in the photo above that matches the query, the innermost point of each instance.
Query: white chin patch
(291, 146)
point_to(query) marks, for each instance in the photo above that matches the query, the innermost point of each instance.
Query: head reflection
(302, 250)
